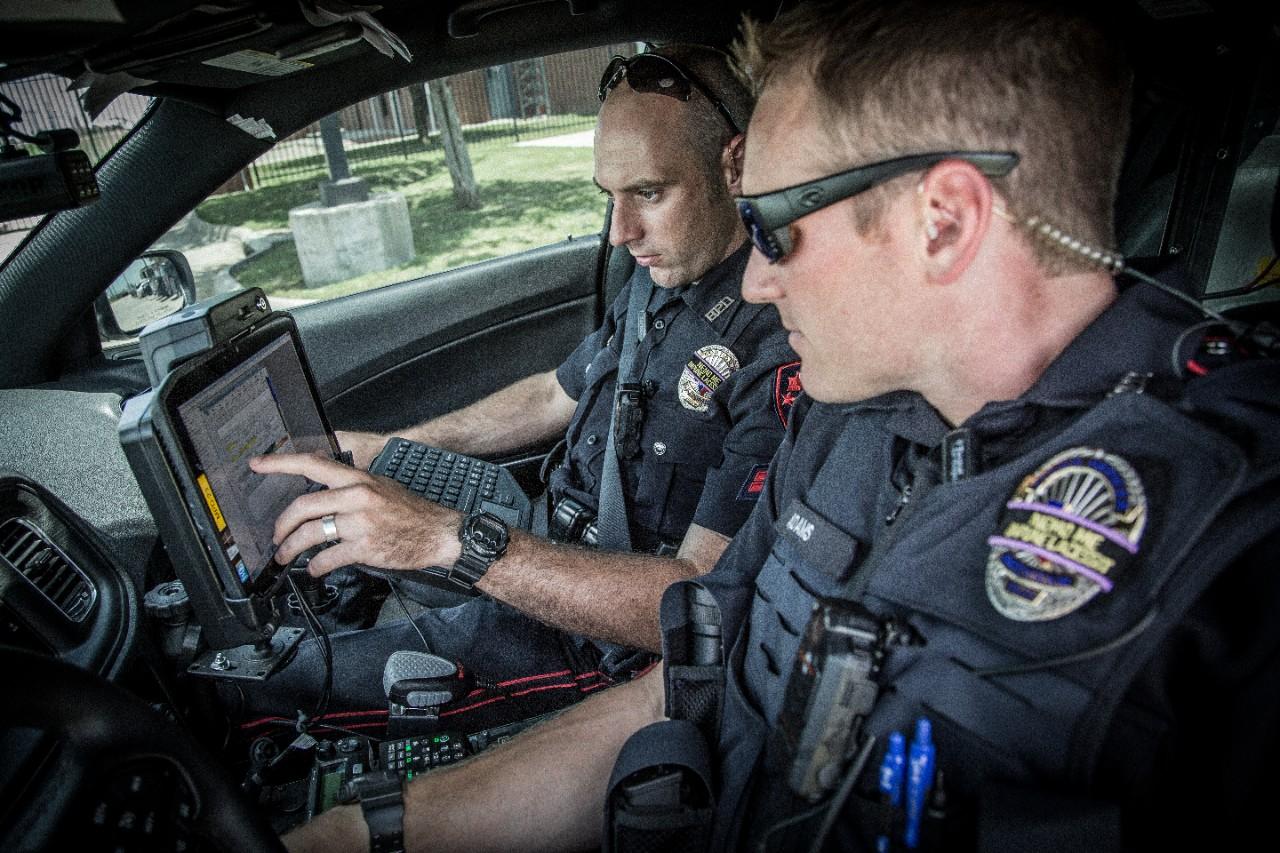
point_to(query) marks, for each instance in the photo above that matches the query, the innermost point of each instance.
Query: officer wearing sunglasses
(1027, 522)
(712, 384)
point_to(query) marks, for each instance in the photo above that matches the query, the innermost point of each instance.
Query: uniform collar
(717, 296)
(1136, 333)
(908, 415)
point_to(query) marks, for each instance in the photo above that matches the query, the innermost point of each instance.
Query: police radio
(833, 686)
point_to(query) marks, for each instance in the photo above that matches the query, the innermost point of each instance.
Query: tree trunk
(466, 194)
(421, 113)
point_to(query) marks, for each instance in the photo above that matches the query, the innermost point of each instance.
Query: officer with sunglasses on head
(1012, 585)
(709, 383)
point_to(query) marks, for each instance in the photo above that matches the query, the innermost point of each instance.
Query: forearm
(524, 413)
(541, 791)
(600, 594)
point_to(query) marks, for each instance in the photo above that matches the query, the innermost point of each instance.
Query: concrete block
(342, 242)
(345, 191)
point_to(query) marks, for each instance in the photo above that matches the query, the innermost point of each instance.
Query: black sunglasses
(768, 216)
(652, 74)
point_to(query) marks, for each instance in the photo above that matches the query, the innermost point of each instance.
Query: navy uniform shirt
(720, 380)
(1195, 733)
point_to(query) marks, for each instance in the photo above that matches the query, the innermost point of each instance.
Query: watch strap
(382, 802)
(468, 569)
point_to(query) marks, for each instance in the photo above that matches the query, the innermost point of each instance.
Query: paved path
(581, 139)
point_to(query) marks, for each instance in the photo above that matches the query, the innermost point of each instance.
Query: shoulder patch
(754, 484)
(710, 366)
(786, 390)
(1069, 532)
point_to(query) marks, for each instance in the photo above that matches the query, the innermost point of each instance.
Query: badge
(1067, 534)
(786, 390)
(709, 366)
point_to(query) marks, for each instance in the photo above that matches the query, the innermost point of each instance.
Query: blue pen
(920, 761)
(892, 772)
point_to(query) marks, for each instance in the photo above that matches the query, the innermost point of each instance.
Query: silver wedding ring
(330, 525)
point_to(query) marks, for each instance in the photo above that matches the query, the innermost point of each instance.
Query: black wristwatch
(381, 796)
(484, 539)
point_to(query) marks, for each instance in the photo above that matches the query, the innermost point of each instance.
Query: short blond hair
(911, 76)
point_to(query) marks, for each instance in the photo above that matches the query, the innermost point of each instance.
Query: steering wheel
(138, 771)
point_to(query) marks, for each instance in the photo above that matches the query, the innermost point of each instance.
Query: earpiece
(1112, 262)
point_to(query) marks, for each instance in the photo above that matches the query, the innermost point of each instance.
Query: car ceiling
(176, 47)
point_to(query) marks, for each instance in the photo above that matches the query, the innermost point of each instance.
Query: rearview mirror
(151, 288)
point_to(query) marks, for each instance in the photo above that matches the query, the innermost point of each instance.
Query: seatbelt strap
(613, 524)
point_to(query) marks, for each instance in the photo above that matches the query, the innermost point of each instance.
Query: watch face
(487, 533)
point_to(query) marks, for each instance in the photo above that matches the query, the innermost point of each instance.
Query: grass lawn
(530, 197)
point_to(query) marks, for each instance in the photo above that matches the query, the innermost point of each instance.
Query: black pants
(533, 668)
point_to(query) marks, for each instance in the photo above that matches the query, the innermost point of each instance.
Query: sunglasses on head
(768, 217)
(651, 74)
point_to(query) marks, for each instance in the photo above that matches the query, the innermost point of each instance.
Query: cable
(1260, 335)
(846, 787)
(326, 648)
(831, 806)
(1123, 639)
(1253, 285)
(1178, 294)
(1111, 261)
(791, 821)
(285, 721)
(396, 592)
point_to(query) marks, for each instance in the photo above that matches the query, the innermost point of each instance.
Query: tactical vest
(1020, 670)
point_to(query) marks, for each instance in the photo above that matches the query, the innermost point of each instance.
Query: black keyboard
(455, 480)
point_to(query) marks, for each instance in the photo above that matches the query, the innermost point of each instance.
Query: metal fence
(502, 104)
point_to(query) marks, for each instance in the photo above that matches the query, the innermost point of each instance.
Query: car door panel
(398, 355)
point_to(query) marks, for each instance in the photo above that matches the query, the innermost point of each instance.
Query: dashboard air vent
(46, 567)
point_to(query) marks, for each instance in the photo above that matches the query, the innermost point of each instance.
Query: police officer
(714, 381)
(1032, 543)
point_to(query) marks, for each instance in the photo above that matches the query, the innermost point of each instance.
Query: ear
(731, 163)
(954, 202)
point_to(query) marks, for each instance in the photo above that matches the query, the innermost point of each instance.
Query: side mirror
(157, 284)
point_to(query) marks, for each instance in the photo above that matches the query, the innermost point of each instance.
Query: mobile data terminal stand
(230, 381)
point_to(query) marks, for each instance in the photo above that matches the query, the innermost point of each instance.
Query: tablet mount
(239, 636)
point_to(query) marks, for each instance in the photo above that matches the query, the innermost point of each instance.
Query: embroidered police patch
(709, 366)
(1067, 534)
(786, 390)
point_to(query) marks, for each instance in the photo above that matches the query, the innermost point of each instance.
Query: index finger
(326, 471)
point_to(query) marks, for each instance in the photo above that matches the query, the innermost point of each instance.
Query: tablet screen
(247, 402)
